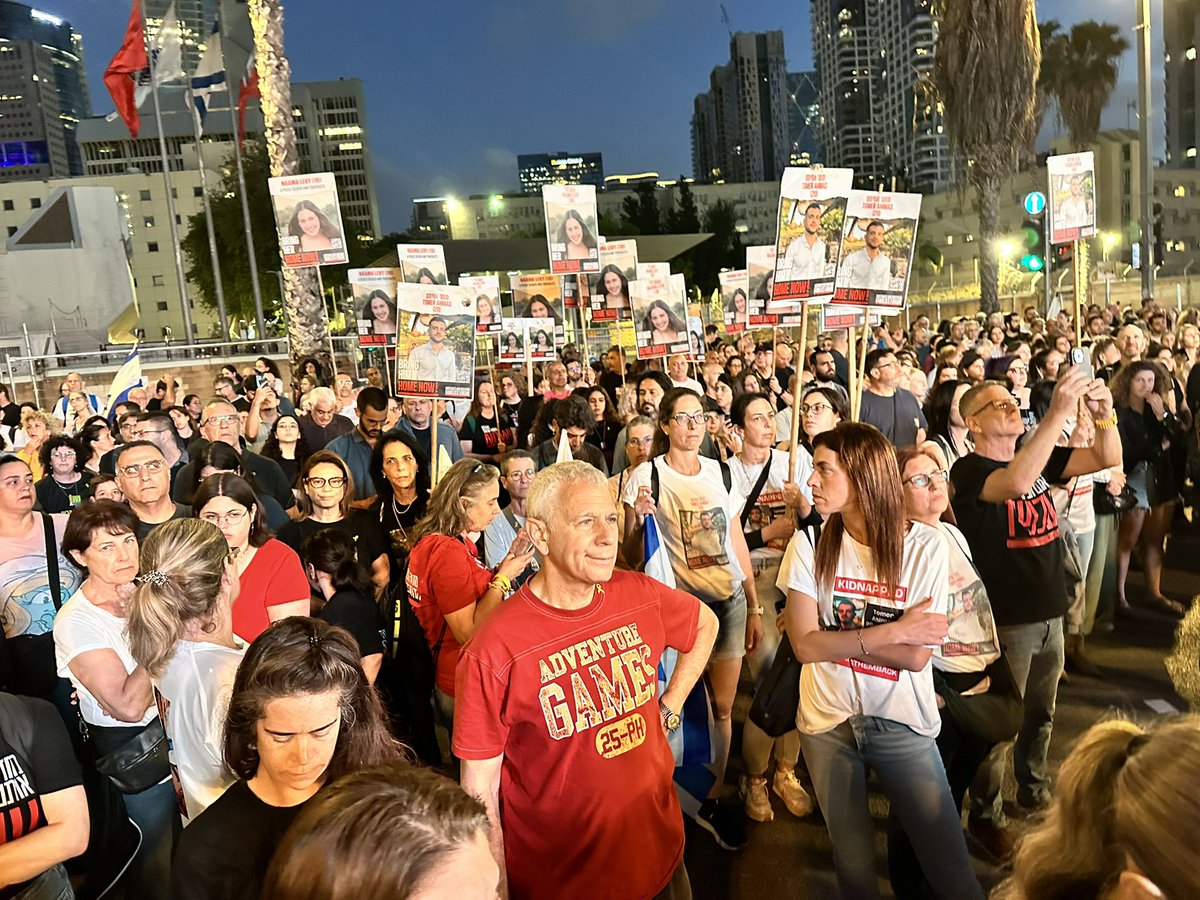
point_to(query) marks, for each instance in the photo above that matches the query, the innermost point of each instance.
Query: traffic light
(1033, 244)
(1063, 256)
(1157, 224)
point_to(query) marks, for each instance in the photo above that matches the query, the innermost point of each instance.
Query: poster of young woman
(659, 313)
(538, 296)
(877, 249)
(308, 220)
(695, 339)
(808, 243)
(512, 340)
(572, 226)
(609, 288)
(422, 263)
(486, 289)
(539, 339)
(760, 269)
(440, 362)
(374, 293)
(735, 299)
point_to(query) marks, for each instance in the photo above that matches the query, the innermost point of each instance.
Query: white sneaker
(787, 786)
(753, 792)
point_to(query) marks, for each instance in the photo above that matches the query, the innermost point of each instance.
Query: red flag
(122, 73)
(249, 89)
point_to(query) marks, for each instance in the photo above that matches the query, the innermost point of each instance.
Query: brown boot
(1076, 660)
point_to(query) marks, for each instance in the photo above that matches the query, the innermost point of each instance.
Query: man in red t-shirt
(557, 723)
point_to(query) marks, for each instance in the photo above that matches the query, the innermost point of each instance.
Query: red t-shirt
(274, 576)
(570, 698)
(444, 575)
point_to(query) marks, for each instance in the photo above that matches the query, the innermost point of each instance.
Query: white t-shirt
(691, 384)
(769, 506)
(26, 606)
(1076, 505)
(695, 515)
(194, 697)
(972, 644)
(832, 692)
(80, 627)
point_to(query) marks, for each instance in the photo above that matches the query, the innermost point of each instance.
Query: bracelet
(502, 582)
(754, 610)
(865, 651)
(1111, 421)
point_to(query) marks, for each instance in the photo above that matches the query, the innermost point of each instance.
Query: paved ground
(791, 858)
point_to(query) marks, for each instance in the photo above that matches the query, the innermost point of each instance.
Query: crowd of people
(258, 642)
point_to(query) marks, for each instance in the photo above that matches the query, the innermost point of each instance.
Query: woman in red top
(451, 590)
(274, 585)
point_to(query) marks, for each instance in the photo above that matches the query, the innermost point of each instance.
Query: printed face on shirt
(296, 739)
(703, 534)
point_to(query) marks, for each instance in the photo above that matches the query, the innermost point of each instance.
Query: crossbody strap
(52, 562)
(755, 491)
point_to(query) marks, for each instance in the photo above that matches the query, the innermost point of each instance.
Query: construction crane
(725, 19)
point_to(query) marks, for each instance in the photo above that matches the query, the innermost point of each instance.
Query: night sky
(455, 90)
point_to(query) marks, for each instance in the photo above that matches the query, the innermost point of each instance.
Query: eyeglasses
(814, 408)
(335, 482)
(1018, 369)
(887, 365)
(155, 465)
(924, 481)
(63, 453)
(522, 474)
(640, 442)
(1005, 405)
(142, 432)
(682, 419)
(221, 420)
(231, 518)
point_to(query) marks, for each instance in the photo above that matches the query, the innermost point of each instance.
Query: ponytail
(335, 553)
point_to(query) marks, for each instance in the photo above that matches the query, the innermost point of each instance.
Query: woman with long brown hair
(865, 602)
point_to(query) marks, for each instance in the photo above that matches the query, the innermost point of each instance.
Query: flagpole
(241, 175)
(208, 221)
(162, 150)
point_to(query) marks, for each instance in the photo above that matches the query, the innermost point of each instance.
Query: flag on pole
(209, 77)
(166, 57)
(249, 88)
(121, 75)
(127, 378)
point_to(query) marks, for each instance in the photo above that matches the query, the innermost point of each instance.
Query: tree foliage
(1082, 71)
(684, 218)
(640, 210)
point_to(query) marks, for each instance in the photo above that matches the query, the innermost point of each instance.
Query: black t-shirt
(370, 543)
(1016, 544)
(144, 528)
(53, 497)
(225, 852)
(360, 617)
(397, 521)
(10, 416)
(268, 477)
(486, 435)
(35, 759)
(898, 416)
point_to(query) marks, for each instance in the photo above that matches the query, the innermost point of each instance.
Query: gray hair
(548, 485)
(317, 394)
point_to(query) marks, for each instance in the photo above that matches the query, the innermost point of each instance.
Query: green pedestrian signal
(1033, 240)
(1031, 262)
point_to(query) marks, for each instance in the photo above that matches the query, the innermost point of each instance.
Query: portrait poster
(374, 292)
(608, 289)
(877, 249)
(695, 351)
(735, 299)
(539, 339)
(422, 263)
(308, 220)
(439, 359)
(659, 313)
(570, 290)
(486, 288)
(1072, 200)
(839, 318)
(572, 228)
(512, 340)
(760, 268)
(808, 244)
(538, 296)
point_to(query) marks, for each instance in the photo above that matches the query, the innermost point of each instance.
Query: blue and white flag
(209, 77)
(658, 564)
(127, 378)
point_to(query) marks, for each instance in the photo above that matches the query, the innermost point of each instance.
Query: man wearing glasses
(889, 407)
(517, 469)
(1002, 502)
(145, 478)
(159, 429)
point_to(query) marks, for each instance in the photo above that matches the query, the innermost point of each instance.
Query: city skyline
(443, 128)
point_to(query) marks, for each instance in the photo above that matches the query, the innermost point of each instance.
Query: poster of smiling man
(812, 208)
(572, 226)
(877, 249)
(440, 362)
(308, 220)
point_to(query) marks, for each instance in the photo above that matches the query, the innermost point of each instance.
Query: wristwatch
(670, 718)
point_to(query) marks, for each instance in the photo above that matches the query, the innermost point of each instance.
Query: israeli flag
(127, 378)
(209, 77)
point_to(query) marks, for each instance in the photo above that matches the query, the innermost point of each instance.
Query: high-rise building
(43, 94)
(804, 115)
(536, 169)
(1181, 35)
(878, 112)
(740, 126)
(331, 136)
(195, 19)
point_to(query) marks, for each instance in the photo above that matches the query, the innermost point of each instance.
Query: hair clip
(314, 639)
(156, 578)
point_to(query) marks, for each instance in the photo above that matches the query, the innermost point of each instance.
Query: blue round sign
(1035, 202)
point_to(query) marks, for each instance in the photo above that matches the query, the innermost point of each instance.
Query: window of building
(162, 305)
(152, 246)
(145, 196)
(12, 229)
(157, 280)
(197, 192)
(36, 202)
(8, 206)
(148, 222)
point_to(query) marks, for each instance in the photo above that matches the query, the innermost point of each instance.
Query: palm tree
(304, 307)
(986, 71)
(1053, 69)
(1087, 60)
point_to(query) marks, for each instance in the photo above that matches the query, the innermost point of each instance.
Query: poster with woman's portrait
(760, 269)
(308, 220)
(659, 313)
(512, 340)
(572, 228)
(735, 299)
(877, 249)
(609, 288)
(538, 296)
(422, 263)
(374, 292)
(539, 339)
(439, 361)
(486, 288)
(695, 339)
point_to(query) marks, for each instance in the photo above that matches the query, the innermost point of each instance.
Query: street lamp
(1108, 240)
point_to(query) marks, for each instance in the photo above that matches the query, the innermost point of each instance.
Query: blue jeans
(155, 811)
(1035, 655)
(910, 772)
(53, 884)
